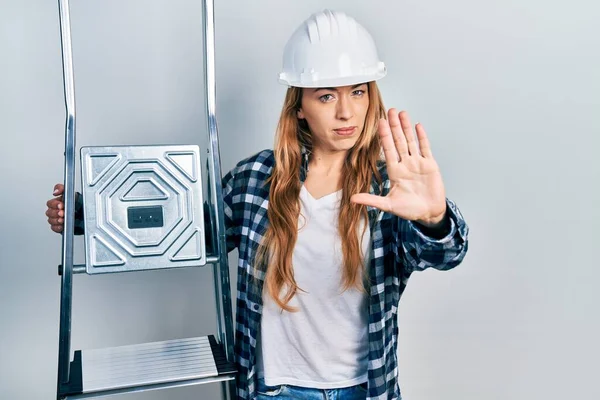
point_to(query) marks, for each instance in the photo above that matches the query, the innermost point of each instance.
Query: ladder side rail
(69, 197)
(220, 268)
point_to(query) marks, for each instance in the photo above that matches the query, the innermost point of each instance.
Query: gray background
(507, 90)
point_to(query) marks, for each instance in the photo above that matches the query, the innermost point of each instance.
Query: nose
(344, 109)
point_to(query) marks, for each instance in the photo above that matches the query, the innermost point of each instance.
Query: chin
(345, 146)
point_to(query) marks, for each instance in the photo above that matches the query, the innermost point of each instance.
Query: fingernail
(60, 206)
(55, 191)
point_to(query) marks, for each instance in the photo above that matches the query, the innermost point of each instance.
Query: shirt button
(255, 307)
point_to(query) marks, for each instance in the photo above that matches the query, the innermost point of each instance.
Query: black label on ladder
(145, 217)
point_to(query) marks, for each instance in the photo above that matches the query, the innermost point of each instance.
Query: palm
(417, 190)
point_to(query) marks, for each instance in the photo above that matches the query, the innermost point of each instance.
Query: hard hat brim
(333, 82)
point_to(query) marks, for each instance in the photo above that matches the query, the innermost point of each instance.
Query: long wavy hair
(360, 167)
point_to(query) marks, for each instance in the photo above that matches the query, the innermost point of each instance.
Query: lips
(347, 131)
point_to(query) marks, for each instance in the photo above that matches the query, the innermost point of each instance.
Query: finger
(55, 204)
(57, 228)
(54, 213)
(387, 142)
(423, 142)
(409, 134)
(399, 139)
(55, 221)
(366, 199)
(59, 188)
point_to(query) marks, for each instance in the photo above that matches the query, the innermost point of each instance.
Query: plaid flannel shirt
(398, 248)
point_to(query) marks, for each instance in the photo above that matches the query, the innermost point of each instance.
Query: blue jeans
(288, 392)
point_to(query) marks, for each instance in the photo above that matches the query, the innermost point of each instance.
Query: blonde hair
(275, 251)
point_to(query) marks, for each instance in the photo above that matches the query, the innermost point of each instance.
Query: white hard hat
(330, 49)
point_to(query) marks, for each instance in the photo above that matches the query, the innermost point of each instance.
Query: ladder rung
(148, 366)
(80, 268)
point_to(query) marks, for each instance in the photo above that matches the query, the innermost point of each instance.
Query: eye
(358, 93)
(325, 98)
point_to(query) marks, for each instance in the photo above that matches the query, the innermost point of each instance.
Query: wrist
(437, 222)
(436, 228)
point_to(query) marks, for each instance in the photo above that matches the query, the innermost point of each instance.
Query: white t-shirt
(324, 345)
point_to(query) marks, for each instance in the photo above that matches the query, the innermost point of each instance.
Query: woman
(313, 323)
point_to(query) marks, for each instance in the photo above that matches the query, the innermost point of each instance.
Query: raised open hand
(417, 191)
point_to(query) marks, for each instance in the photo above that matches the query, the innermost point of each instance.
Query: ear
(300, 114)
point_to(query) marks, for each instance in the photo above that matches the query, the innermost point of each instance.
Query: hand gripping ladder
(166, 364)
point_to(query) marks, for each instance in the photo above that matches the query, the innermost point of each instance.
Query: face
(335, 116)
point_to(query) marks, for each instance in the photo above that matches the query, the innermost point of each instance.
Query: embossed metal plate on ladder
(143, 208)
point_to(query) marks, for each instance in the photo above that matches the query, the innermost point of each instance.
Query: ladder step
(147, 366)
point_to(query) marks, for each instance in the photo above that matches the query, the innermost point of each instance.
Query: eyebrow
(335, 89)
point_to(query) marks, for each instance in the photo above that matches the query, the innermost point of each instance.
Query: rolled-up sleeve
(418, 251)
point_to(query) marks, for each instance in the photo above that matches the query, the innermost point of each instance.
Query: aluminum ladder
(143, 360)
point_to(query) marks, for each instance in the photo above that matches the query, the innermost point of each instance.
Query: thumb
(59, 188)
(371, 200)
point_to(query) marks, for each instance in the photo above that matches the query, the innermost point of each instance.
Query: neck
(327, 163)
